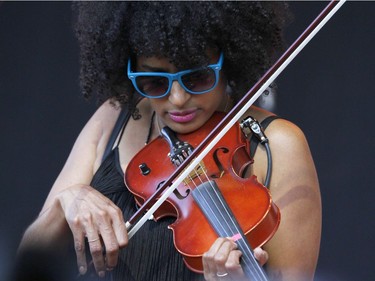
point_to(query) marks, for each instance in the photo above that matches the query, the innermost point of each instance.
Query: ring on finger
(220, 275)
(93, 240)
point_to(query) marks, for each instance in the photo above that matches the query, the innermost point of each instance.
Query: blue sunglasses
(194, 81)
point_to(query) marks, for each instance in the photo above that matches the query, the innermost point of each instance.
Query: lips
(182, 117)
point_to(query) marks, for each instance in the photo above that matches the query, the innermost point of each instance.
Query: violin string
(213, 200)
(222, 218)
(232, 232)
(191, 178)
(235, 230)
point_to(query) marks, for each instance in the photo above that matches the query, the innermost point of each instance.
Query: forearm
(49, 231)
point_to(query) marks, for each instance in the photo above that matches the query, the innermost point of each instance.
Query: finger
(215, 258)
(79, 247)
(96, 251)
(95, 245)
(222, 256)
(261, 256)
(209, 267)
(111, 245)
(233, 266)
(113, 231)
(119, 227)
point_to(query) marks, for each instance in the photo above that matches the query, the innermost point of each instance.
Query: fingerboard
(216, 210)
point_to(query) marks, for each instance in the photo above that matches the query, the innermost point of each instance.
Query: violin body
(248, 199)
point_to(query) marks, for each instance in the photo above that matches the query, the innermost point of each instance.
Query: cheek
(157, 104)
(218, 98)
(215, 101)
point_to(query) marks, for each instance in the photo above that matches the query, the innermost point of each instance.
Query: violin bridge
(196, 172)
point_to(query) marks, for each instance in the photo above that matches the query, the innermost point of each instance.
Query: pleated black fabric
(150, 254)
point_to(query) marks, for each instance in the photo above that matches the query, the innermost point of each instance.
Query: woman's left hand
(222, 261)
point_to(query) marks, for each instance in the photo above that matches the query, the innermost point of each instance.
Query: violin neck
(216, 210)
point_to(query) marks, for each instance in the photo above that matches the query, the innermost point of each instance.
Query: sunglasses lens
(152, 86)
(200, 80)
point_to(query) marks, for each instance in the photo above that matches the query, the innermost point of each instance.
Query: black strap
(253, 140)
(117, 130)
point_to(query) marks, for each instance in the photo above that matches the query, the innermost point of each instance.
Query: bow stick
(134, 223)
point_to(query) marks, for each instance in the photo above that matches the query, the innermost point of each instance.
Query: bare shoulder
(98, 129)
(293, 163)
(284, 136)
(85, 156)
(105, 117)
(289, 148)
(104, 120)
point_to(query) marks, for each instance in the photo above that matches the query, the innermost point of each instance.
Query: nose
(178, 96)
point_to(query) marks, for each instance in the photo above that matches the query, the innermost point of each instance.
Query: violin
(235, 161)
(222, 168)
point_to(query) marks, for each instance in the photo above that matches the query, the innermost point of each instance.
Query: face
(181, 111)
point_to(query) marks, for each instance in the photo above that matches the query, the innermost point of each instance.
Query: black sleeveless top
(150, 254)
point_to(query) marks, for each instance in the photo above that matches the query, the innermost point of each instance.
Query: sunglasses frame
(175, 76)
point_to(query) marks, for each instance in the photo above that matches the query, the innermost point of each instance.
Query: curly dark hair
(249, 34)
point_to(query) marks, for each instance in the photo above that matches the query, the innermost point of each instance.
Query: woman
(234, 42)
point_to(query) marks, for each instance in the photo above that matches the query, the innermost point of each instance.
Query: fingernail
(101, 274)
(82, 270)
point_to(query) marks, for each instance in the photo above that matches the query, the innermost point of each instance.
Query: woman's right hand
(91, 215)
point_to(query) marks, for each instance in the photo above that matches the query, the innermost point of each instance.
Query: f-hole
(176, 192)
(218, 163)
